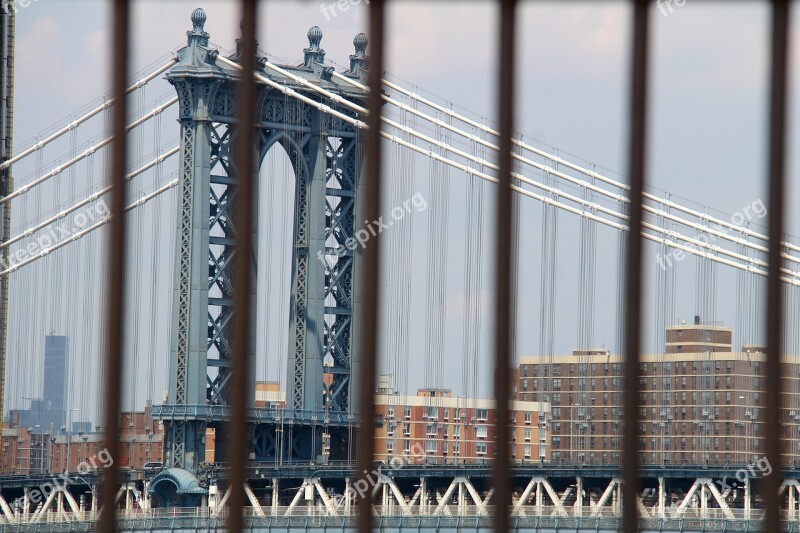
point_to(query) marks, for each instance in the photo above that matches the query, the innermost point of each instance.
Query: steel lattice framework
(325, 152)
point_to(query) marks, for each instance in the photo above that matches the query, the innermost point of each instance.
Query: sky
(706, 147)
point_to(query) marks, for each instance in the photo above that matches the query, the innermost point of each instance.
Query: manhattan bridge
(298, 447)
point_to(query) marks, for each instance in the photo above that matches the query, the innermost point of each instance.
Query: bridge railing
(449, 511)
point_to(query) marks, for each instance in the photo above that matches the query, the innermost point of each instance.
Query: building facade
(28, 451)
(696, 407)
(434, 427)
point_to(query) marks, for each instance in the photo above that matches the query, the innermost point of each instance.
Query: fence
(504, 256)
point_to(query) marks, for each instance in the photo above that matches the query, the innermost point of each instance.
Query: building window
(481, 432)
(527, 434)
(432, 413)
(408, 412)
(481, 414)
(527, 451)
(390, 411)
(528, 417)
(480, 448)
(430, 446)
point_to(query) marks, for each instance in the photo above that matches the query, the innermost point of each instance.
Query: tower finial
(198, 20)
(360, 42)
(314, 54)
(359, 60)
(314, 37)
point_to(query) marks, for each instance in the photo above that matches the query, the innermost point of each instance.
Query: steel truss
(325, 153)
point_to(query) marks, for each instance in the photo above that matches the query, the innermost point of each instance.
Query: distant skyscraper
(50, 411)
(56, 374)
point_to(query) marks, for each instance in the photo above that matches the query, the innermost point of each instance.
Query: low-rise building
(437, 428)
(27, 451)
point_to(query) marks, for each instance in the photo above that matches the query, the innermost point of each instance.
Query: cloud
(36, 46)
(456, 306)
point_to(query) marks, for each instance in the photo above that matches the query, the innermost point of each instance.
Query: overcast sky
(708, 107)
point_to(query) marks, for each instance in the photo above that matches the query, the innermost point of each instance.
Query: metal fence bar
(774, 326)
(633, 266)
(244, 152)
(504, 285)
(115, 261)
(370, 289)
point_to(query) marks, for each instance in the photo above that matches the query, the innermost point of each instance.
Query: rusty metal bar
(633, 265)
(115, 303)
(504, 285)
(368, 316)
(775, 315)
(244, 152)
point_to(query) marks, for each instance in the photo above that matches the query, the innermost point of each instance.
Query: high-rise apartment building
(700, 402)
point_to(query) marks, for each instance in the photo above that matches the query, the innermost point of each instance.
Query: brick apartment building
(448, 429)
(27, 451)
(700, 403)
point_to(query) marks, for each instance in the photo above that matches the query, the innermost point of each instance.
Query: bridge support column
(661, 497)
(578, 496)
(347, 494)
(94, 498)
(791, 503)
(747, 497)
(615, 498)
(276, 493)
(26, 504)
(423, 497)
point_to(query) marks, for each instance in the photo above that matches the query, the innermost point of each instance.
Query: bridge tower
(325, 153)
(7, 25)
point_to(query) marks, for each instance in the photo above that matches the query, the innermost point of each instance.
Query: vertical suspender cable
(114, 312)
(774, 318)
(633, 289)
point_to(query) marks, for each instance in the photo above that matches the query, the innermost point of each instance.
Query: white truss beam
(73, 505)
(7, 512)
(253, 500)
(325, 498)
(598, 507)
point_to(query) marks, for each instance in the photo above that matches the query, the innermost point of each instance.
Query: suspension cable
(89, 199)
(140, 202)
(465, 168)
(99, 109)
(59, 169)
